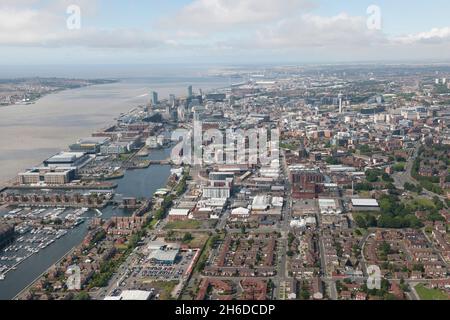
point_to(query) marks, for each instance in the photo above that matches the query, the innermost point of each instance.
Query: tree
(82, 296)
(386, 178)
(361, 222)
(371, 221)
(291, 238)
(364, 148)
(187, 237)
(372, 175)
(304, 292)
(332, 161)
(385, 248)
(438, 203)
(418, 267)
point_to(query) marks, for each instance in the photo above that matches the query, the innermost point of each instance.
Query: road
(282, 274)
(362, 245)
(326, 277)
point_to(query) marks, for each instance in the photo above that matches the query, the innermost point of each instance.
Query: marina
(50, 244)
(34, 236)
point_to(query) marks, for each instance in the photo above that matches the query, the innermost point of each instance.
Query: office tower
(172, 99)
(155, 98)
(190, 93)
(340, 97)
(181, 112)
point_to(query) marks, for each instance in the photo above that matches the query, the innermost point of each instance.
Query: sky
(45, 32)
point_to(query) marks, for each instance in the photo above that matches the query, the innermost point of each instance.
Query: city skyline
(217, 31)
(239, 152)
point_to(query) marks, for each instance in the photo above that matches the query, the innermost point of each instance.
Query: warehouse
(329, 206)
(89, 145)
(67, 159)
(131, 295)
(179, 214)
(365, 205)
(261, 203)
(166, 257)
(216, 192)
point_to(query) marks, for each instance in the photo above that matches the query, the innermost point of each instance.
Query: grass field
(430, 294)
(423, 202)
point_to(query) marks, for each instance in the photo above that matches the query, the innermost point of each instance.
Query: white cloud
(216, 28)
(223, 15)
(434, 36)
(47, 27)
(26, 26)
(313, 31)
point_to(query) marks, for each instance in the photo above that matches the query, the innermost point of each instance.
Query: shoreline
(129, 95)
(31, 102)
(31, 284)
(4, 182)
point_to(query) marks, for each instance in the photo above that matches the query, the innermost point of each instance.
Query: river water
(30, 134)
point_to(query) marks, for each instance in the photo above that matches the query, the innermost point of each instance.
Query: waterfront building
(67, 159)
(48, 175)
(117, 148)
(89, 145)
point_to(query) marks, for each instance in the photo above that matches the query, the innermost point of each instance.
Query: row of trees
(394, 214)
(412, 187)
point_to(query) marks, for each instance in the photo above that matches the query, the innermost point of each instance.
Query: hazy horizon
(178, 70)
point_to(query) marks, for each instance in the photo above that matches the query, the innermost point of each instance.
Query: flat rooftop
(365, 202)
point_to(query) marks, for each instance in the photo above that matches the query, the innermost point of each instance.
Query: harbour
(60, 214)
(39, 250)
